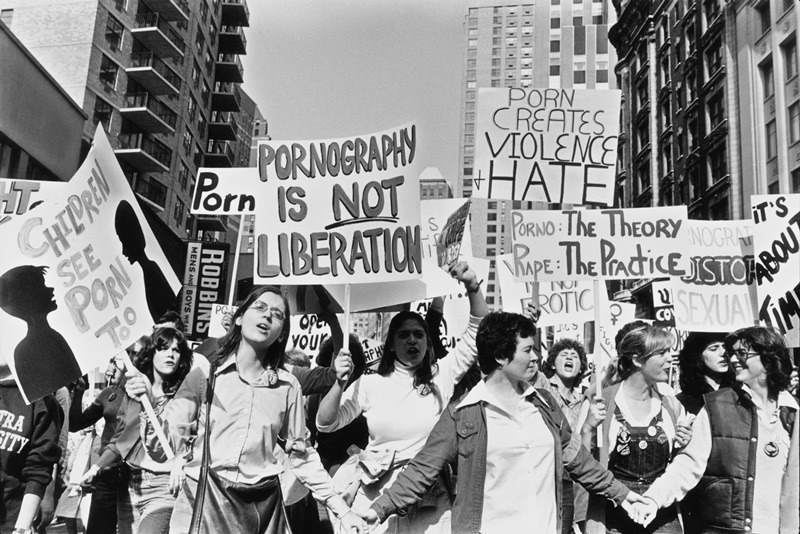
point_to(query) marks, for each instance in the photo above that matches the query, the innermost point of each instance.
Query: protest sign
(717, 294)
(455, 316)
(620, 314)
(663, 303)
(221, 319)
(448, 246)
(547, 145)
(373, 351)
(327, 212)
(19, 196)
(74, 292)
(307, 333)
(599, 244)
(204, 282)
(776, 233)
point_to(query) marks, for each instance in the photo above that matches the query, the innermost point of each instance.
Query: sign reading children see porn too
(546, 145)
(327, 212)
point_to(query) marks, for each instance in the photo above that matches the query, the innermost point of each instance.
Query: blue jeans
(152, 501)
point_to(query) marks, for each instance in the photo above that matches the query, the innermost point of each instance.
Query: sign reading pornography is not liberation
(327, 212)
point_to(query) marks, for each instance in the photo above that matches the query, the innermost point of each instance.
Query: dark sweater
(28, 443)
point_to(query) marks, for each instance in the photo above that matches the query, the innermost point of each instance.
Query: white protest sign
(81, 278)
(620, 314)
(455, 316)
(547, 145)
(373, 351)
(307, 333)
(717, 294)
(776, 233)
(19, 196)
(333, 211)
(663, 303)
(221, 319)
(599, 244)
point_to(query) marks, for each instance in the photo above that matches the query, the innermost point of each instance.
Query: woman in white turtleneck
(402, 403)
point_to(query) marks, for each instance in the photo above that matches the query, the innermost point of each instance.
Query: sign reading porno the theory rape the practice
(546, 145)
(327, 212)
(599, 244)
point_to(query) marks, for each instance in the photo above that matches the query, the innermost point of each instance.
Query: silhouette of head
(24, 294)
(129, 232)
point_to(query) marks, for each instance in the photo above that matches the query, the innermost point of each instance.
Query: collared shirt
(690, 463)
(573, 403)
(247, 420)
(519, 490)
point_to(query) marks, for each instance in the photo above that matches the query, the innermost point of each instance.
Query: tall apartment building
(161, 76)
(549, 43)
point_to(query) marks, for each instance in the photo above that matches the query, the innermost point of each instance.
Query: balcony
(143, 152)
(219, 154)
(232, 40)
(235, 13)
(155, 33)
(225, 97)
(222, 126)
(153, 74)
(229, 69)
(147, 112)
(171, 9)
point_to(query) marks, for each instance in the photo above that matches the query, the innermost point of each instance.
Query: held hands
(351, 522)
(366, 513)
(343, 365)
(88, 476)
(641, 509)
(683, 430)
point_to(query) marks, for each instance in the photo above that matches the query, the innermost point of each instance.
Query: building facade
(550, 43)
(162, 78)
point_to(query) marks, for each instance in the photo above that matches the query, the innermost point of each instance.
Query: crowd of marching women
(241, 435)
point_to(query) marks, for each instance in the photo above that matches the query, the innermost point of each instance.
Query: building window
(643, 135)
(717, 165)
(774, 188)
(642, 182)
(555, 22)
(719, 210)
(6, 16)
(597, 19)
(102, 113)
(789, 49)
(642, 95)
(472, 43)
(602, 76)
(177, 212)
(121, 5)
(763, 16)
(666, 157)
(191, 108)
(710, 10)
(716, 111)
(152, 190)
(555, 70)
(114, 31)
(794, 122)
(555, 46)
(183, 176)
(580, 40)
(602, 39)
(796, 181)
(187, 141)
(196, 75)
(580, 76)
(713, 59)
(199, 41)
(772, 140)
(108, 72)
(767, 79)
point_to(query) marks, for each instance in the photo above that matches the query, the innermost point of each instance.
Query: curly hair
(771, 348)
(229, 343)
(161, 339)
(639, 344)
(497, 338)
(693, 370)
(548, 366)
(425, 371)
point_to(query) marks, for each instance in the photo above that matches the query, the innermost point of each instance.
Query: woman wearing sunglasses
(743, 456)
(641, 425)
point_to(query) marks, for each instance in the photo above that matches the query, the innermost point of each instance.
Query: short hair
(638, 345)
(298, 358)
(690, 362)
(497, 338)
(771, 347)
(548, 366)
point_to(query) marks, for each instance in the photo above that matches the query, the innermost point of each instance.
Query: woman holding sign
(641, 426)
(402, 403)
(164, 361)
(227, 422)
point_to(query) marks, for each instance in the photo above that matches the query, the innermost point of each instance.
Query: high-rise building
(550, 43)
(161, 76)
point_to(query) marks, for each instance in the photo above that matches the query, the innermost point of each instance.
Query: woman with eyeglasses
(401, 403)
(743, 456)
(226, 422)
(641, 425)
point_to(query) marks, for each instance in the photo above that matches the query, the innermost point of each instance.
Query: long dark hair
(774, 355)
(425, 371)
(692, 368)
(161, 339)
(229, 343)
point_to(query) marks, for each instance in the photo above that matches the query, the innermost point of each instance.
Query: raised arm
(337, 409)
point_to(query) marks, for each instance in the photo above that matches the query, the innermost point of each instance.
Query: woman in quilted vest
(640, 425)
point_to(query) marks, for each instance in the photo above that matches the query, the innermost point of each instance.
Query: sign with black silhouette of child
(81, 277)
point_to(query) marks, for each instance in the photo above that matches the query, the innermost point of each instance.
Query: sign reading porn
(546, 145)
(81, 277)
(327, 212)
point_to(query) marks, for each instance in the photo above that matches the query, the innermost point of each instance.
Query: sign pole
(236, 255)
(598, 375)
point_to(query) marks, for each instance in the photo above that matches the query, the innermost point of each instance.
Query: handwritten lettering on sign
(547, 145)
(334, 211)
(592, 244)
(776, 232)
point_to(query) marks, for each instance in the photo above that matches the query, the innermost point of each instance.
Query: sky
(320, 69)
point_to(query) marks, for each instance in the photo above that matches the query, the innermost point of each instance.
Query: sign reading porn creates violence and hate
(546, 145)
(717, 293)
(776, 233)
(599, 244)
(204, 282)
(327, 212)
(19, 196)
(81, 278)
